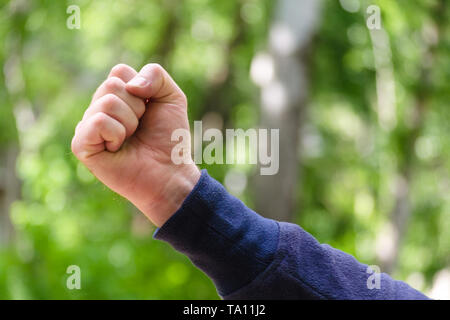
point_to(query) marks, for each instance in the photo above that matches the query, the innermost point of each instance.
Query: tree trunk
(11, 79)
(9, 190)
(389, 242)
(282, 76)
(218, 88)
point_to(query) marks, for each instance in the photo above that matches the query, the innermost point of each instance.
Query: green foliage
(65, 216)
(351, 165)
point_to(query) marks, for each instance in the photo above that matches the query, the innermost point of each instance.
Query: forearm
(225, 239)
(303, 268)
(250, 257)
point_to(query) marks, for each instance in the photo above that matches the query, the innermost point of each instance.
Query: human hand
(127, 144)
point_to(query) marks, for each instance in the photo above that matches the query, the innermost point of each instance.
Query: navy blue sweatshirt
(251, 257)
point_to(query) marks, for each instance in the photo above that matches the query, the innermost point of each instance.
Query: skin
(127, 144)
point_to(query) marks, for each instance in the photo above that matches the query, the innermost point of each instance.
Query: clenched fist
(127, 145)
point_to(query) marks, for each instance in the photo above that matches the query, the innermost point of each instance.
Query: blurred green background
(371, 162)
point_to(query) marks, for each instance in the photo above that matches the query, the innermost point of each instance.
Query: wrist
(178, 186)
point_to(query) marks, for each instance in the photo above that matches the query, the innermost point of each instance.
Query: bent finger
(154, 82)
(116, 108)
(116, 86)
(122, 71)
(97, 134)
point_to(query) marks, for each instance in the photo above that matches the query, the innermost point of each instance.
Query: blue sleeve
(251, 257)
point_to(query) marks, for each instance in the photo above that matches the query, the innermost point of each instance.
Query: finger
(154, 82)
(116, 86)
(96, 134)
(116, 108)
(123, 71)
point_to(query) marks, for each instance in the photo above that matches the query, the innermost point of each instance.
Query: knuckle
(155, 68)
(119, 68)
(74, 146)
(110, 102)
(114, 84)
(183, 99)
(99, 119)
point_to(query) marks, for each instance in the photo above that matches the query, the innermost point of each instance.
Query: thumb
(153, 82)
